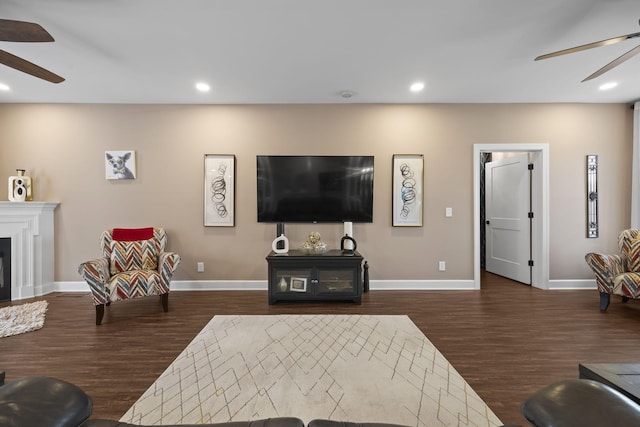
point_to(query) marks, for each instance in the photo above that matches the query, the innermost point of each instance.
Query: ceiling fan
(607, 67)
(19, 31)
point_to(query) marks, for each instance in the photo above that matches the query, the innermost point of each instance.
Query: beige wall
(62, 147)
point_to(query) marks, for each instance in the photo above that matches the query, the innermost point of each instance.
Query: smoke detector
(346, 94)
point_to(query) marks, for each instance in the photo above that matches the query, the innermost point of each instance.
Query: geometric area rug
(358, 368)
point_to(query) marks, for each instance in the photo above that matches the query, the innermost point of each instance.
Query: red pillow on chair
(131, 234)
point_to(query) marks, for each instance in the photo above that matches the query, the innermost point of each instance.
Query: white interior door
(507, 205)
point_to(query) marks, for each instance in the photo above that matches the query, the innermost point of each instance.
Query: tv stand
(306, 276)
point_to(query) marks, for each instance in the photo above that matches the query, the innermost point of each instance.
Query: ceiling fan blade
(25, 66)
(589, 46)
(19, 31)
(619, 60)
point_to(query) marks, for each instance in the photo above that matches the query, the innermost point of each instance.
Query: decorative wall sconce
(592, 196)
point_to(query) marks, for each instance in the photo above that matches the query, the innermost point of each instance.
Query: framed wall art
(592, 196)
(408, 173)
(219, 190)
(120, 164)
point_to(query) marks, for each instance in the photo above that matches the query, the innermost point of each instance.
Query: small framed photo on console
(298, 284)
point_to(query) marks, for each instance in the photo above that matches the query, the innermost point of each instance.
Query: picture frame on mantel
(407, 188)
(219, 190)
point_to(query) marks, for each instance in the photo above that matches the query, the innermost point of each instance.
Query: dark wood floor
(506, 340)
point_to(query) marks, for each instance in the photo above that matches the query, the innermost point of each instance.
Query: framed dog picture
(120, 164)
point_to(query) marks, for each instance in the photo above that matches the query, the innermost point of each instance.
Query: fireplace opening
(5, 269)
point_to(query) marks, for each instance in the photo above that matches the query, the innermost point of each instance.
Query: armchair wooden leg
(604, 300)
(99, 313)
(165, 302)
(625, 299)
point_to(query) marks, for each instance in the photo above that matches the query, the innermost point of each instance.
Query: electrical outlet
(201, 267)
(448, 212)
(442, 266)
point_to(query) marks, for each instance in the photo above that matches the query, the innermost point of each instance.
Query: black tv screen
(315, 188)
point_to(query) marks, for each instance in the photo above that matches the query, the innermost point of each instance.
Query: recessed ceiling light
(203, 87)
(417, 87)
(608, 86)
(4, 87)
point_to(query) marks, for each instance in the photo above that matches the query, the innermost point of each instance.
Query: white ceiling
(308, 51)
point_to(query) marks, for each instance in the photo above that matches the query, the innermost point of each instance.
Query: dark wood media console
(302, 276)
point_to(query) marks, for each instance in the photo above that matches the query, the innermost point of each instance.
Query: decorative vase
(274, 244)
(19, 187)
(346, 239)
(282, 285)
(348, 230)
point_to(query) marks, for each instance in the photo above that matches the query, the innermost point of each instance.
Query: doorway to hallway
(539, 157)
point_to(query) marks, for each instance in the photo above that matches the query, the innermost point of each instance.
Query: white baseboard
(421, 285)
(374, 285)
(219, 285)
(573, 284)
(176, 285)
(68, 287)
(261, 285)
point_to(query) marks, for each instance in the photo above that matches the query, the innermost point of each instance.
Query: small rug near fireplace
(355, 368)
(18, 319)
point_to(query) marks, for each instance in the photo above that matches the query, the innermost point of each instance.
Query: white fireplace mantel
(30, 227)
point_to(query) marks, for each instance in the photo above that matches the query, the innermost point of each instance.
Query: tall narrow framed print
(219, 190)
(408, 179)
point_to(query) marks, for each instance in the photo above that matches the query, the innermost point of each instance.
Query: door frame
(540, 200)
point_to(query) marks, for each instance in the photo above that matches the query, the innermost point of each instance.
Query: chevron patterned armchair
(618, 274)
(134, 264)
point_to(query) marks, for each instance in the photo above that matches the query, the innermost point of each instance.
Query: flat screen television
(315, 188)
